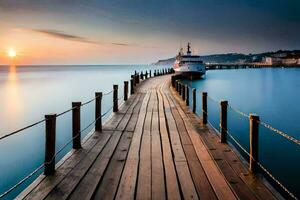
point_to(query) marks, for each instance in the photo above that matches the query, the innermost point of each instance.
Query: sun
(11, 53)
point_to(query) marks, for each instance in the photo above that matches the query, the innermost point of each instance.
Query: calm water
(274, 95)
(28, 93)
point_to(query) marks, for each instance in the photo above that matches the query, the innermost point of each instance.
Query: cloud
(62, 35)
(76, 38)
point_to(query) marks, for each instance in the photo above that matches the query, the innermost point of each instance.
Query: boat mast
(188, 49)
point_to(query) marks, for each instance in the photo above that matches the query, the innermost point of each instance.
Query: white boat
(188, 65)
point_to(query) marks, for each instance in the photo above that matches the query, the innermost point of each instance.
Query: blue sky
(139, 31)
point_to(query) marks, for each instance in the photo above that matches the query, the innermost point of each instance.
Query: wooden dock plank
(109, 184)
(172, 186)
(185, 179)
(88, 184)
(203, 187)
(216, 178)
(158, 181)
(64, 188)
(47, 185)
(129, 176)
(144, 173)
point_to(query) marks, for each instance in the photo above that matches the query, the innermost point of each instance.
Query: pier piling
(194, 99)
(125, 90)
(131, 86)
(183, 92)
(254, 124)
(204, 107)
(115, 98)
(223, 121)
(76, 125)
(187, 95)
(179, 88)
(98, 108)
(50, 144)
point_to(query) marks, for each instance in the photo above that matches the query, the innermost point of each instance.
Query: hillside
(234, 57)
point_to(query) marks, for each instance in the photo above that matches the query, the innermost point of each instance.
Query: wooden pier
(152, 147)
(218, 66)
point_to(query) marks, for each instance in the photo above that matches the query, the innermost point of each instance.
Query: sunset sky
(140, 31)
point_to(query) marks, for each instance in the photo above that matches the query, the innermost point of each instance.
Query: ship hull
(190, 71)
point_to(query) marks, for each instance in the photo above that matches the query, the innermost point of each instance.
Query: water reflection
(12, 101)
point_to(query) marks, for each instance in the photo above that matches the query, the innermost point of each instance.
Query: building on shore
(289, 59)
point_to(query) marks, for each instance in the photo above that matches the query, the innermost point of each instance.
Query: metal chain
(286, 136)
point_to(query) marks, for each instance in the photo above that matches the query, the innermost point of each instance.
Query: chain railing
(144, 76)
(178, 87)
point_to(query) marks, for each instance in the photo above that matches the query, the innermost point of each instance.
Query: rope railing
(257, 162)
(55, 155)
(238, 111)
(22, 129)
(286, 136)
(212, 99)
(43, 120)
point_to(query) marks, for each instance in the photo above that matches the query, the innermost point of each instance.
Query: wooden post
(204, 107)
(115, 98)
(183, 92)
(150, 73)
(187, 95)
(179, 88)
(137, 79)
(98, 111)
(142, 75)
(50, 144)
(76, 125)
(194, 100)
(133, 77)
(131, 86)
(125, 90)
(223, 121)
(254, 124)
(146, 74)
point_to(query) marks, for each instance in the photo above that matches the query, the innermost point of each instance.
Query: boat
(188, 65)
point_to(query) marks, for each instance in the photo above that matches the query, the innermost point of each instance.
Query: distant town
(278, 58)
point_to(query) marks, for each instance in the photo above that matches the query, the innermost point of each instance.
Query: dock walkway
(153, 148)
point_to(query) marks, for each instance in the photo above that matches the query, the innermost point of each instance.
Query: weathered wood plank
(158, 182)
(172, 186)
(129, 176)
(216, 178)
(109, 184)
(64, 188)
(201, 182)
(86, 188)
(43, 189)
(144, 174)
(184, 176)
